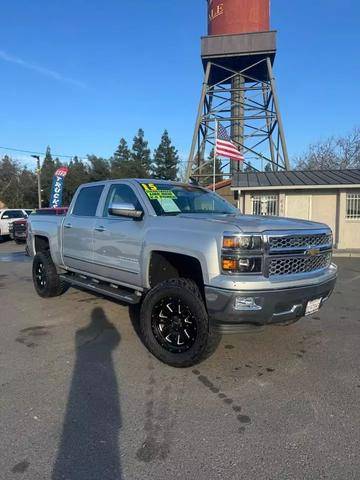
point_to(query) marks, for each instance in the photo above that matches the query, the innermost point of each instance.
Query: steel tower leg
(237, 111)
(279, 118)
(268, 124)
(198, 122)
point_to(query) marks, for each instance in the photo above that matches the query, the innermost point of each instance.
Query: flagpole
(214, 169)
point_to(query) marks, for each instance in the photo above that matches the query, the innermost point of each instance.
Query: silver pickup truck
(193, 262)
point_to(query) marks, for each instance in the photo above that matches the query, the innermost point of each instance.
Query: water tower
(239, 89)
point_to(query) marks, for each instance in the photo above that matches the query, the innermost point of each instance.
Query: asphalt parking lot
(82, 399)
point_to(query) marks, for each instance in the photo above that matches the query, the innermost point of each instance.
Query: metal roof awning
(296, 179)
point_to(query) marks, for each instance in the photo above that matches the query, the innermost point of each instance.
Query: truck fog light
(246, 303)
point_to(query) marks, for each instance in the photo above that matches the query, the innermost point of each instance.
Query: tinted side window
(87, 201)
(13, 214)
(121, 193)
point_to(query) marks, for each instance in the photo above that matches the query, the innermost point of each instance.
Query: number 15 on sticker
(149, 187)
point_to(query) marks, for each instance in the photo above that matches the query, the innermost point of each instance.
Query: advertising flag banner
(57, 187)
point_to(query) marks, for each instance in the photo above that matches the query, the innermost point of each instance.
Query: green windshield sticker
(154, 193)
(161, 194)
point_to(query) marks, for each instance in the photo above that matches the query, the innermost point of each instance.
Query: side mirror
(125, 210)
(5, 216)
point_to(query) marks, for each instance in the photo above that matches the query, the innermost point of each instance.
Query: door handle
(100, 229)
(67, 225)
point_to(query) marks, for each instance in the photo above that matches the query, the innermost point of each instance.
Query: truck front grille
(20, 228)
(292, 253)
(292, 265)
(299, 241)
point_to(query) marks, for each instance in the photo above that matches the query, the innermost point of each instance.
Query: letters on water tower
(215, 10)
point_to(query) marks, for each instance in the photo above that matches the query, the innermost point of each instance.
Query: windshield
(169, 199)
(13, 214)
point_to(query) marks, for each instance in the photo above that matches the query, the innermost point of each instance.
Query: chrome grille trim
(292, 265)
(300, 241)
(297, 252)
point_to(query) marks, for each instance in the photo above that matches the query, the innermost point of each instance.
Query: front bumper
(277, 306)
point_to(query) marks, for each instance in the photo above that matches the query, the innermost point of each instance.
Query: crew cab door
(78, 229)
(118, 240)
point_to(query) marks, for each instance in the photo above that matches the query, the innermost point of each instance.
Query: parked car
(193, 262)
(7, 216)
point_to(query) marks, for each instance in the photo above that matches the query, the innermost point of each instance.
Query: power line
(31, 152)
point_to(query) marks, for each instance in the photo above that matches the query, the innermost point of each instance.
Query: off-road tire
(188, 292)
(53, 285)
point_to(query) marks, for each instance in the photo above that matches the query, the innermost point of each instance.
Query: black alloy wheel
(173, 324)
(46, 280)
(40, 276)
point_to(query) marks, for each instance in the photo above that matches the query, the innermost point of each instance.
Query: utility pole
(38, 172)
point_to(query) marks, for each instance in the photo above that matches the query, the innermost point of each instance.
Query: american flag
(225, 147)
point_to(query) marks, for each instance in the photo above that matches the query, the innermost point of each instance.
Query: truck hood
(256, 224)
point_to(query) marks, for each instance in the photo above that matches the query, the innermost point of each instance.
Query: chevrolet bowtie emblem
(312, 252)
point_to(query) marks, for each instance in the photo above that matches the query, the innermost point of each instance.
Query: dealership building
(328, 196)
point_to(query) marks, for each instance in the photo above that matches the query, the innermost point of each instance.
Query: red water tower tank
(238, 16)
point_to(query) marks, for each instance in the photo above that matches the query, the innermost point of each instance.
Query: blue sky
(79, 74)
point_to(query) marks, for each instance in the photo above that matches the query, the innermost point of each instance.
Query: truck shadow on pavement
(89, 446)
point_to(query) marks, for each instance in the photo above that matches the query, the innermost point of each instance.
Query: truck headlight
(241, 253)
(241, 264)
(242, 242)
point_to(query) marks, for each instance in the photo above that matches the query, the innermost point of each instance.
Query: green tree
(9, 182)
(208, 171)
(28, 193)
(99, 168)
(120, 163)
(166, 159)
(18, 185)
(77, 174)
(140, 163)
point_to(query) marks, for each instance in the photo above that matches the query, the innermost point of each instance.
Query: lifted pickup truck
(189, 258)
